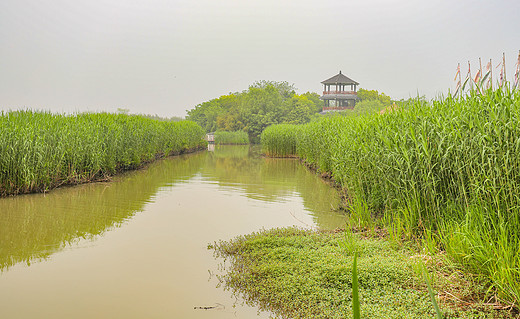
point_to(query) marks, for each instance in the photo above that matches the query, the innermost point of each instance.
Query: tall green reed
(226, 137)
(41, 150)
(280, 140)
(446, 171)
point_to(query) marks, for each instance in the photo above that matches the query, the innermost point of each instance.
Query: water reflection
(273, 179)
(151, 229)
(33, 227)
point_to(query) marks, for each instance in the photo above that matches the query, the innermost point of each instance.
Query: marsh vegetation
(309, 274)
(443, 174)
(231, 137)
(42, 150)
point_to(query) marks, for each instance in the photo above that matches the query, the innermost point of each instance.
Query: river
(136, 247)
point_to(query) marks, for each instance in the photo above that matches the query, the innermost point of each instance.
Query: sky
(164, 57)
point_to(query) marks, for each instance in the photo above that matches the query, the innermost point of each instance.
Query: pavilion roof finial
(340, 79)
(339, 71)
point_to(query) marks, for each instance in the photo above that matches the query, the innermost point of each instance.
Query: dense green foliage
(263, 104)
(227, 137)
(268, 102)
(373, 95)
(447, 172)
(305, 274)
(40, 150)
(370, 101)
(362, 108)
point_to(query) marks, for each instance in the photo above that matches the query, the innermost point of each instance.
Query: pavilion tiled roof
(339, 79)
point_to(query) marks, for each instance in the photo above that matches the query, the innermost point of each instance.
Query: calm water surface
(136, 247)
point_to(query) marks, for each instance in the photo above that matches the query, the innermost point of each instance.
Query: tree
(263, 104)
(315, 99)
(285, 89)
(230, 121)
(205, 114)
(261, 107)
(367, 95)
(299, 110)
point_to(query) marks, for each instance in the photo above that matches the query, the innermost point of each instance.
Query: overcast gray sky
(166, 56)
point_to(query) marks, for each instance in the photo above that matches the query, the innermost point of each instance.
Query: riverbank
(41, 151)
(441, 174)
(296, 273)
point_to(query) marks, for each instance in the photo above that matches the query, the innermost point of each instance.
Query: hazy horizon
(165, 57)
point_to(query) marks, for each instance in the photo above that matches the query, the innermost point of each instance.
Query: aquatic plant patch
(307, 274)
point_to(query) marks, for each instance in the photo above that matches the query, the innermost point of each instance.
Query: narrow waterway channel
(136, 247)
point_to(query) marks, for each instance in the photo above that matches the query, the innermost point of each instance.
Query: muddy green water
(136, 247)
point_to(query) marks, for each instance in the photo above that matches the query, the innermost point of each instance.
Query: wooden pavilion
(339, 93)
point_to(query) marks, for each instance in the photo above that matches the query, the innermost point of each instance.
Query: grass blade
(432, 295)
(355, 290)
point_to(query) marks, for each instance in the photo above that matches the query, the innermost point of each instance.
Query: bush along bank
(231, 137)
(444, 173)
(280, 140)
(40, 150)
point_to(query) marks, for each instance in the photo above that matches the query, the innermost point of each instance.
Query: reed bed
(280, 140)
(445, 172)
(227, 137)
(41, 150)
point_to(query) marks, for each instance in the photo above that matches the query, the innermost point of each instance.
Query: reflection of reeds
(40, 150)
(35, 226)
(446, 172)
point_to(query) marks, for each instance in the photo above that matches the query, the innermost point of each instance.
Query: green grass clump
(280, 140)
(445, 172)
(41, 150)
(305, 274)
(229, 137)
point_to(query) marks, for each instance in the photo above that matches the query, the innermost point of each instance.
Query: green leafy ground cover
(307, 274)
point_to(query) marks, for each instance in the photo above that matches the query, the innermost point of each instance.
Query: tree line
(265, 103)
